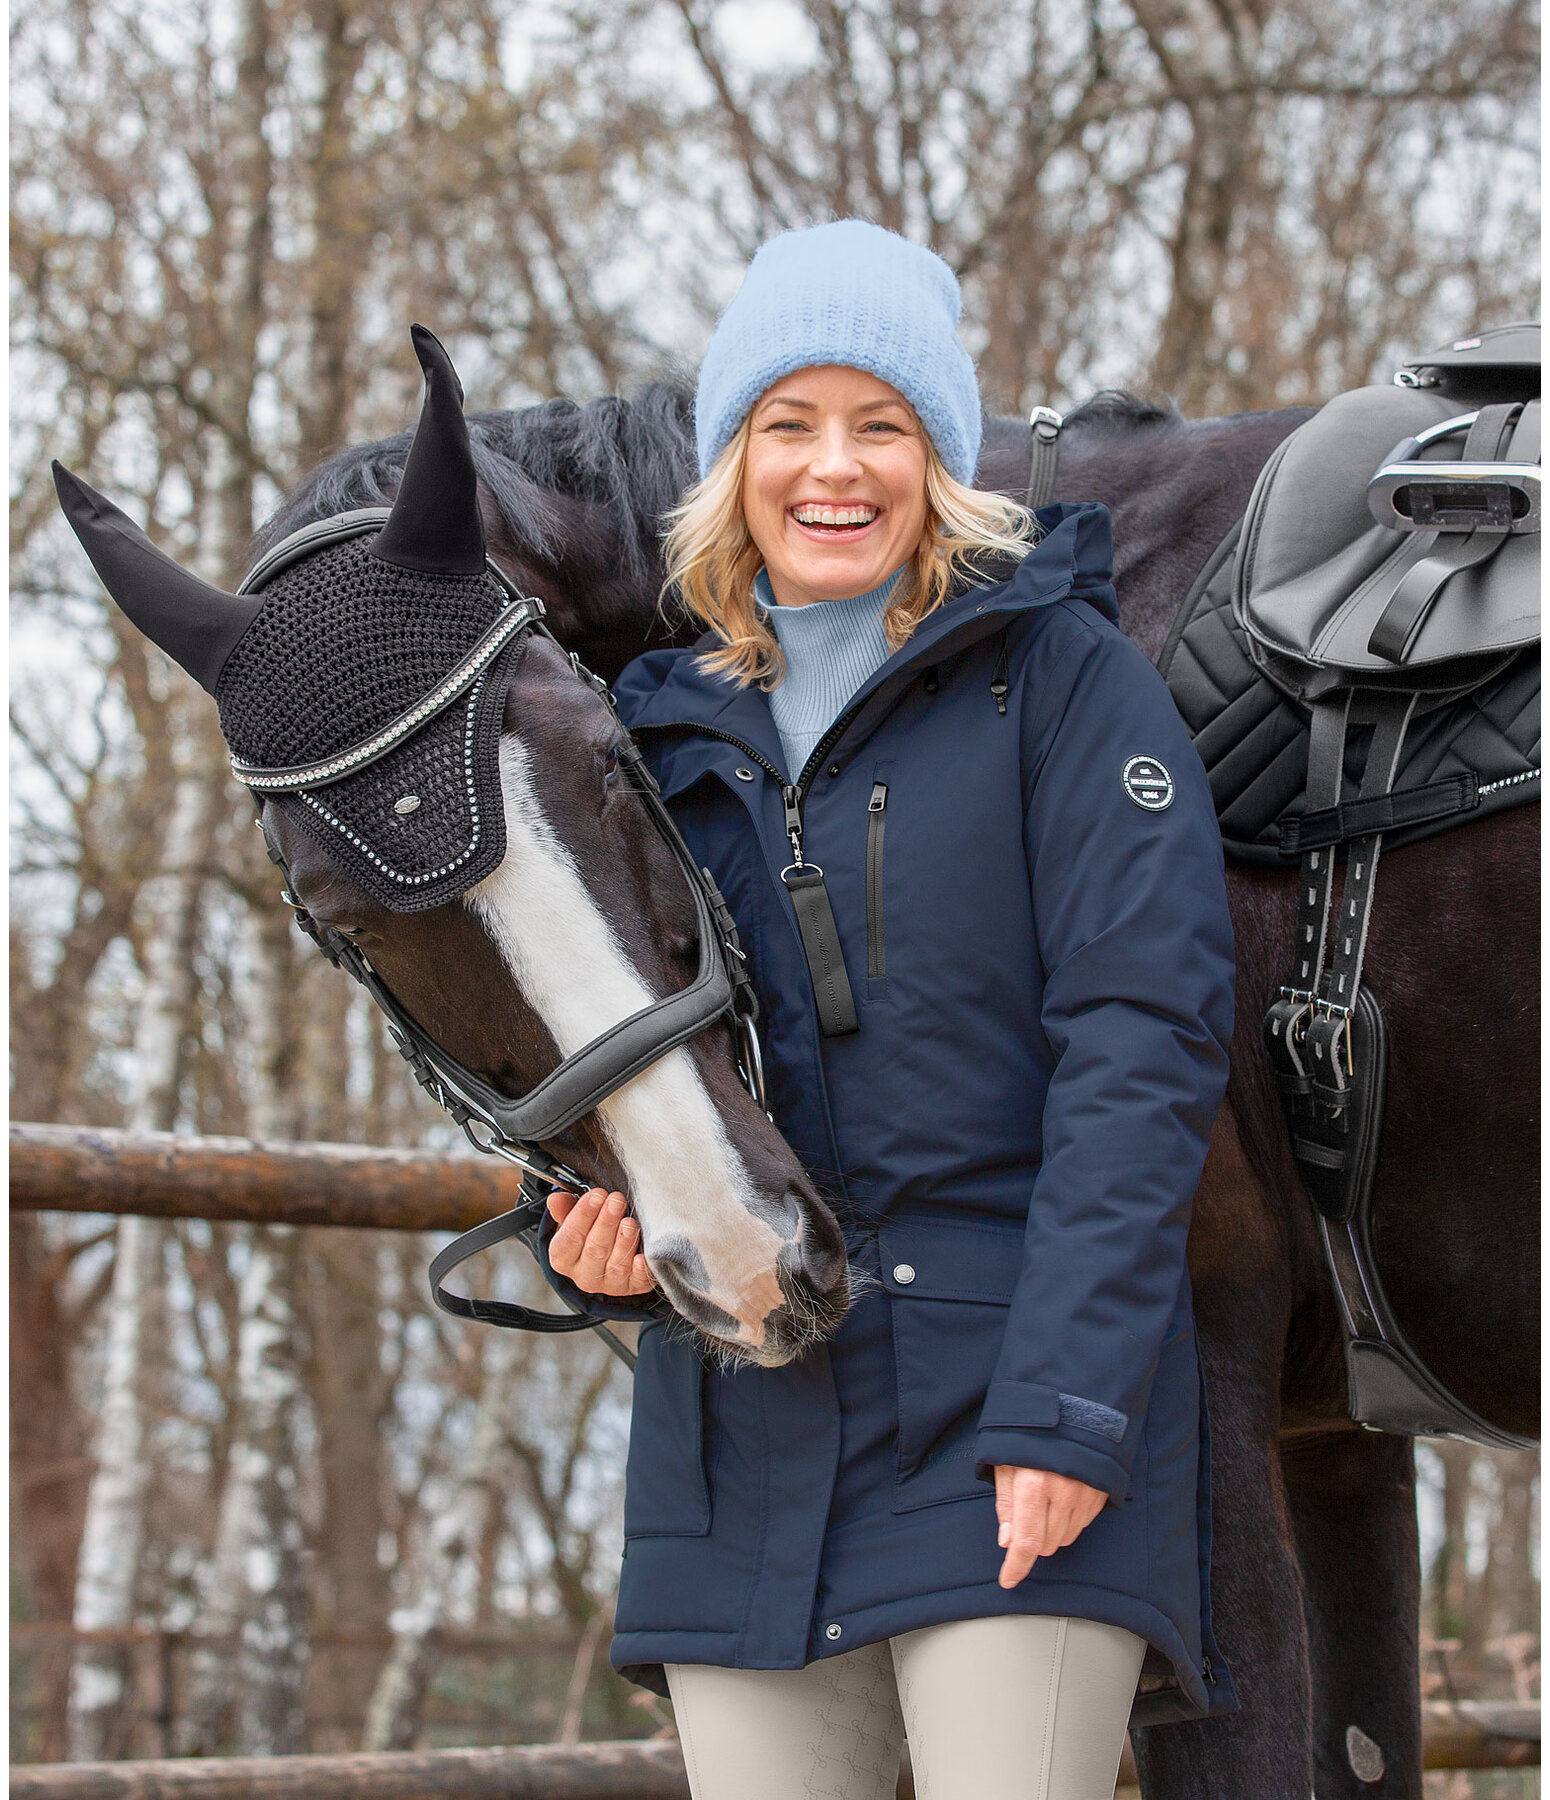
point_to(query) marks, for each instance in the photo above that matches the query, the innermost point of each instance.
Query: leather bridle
(493, 1122)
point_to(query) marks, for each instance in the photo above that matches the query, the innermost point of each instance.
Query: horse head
(491, 856)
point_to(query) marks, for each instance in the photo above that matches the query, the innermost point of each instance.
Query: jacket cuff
(1029, 1405)
(1053, 1451)
(1032, 1426)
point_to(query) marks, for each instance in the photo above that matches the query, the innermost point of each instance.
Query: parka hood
(1073, 559)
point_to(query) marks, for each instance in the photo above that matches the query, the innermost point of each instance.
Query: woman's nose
(834, 456)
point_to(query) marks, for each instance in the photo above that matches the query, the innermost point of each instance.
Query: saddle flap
(1316, 572)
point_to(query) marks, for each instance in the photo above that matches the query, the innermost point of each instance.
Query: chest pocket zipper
(877, 819)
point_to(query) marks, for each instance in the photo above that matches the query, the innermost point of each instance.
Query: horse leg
(1242, 1280)
(1352, 1496)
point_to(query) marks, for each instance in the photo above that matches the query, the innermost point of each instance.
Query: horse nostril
(680, 1264)
(823, 1258)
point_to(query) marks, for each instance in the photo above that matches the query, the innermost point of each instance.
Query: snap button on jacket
(1042, 973)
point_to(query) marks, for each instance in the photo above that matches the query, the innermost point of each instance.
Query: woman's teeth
(834, 515)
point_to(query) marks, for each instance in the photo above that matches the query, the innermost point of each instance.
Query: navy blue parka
(1012, 1139)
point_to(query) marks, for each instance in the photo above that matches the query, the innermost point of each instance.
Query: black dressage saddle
(1359, 665)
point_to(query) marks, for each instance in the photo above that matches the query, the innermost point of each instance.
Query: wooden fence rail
(76, 1169)
(1472, 1735)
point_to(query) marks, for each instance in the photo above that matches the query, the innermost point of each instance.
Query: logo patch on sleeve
(1148, 783)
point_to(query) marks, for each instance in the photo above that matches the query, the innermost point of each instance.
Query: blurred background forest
(263, 1498)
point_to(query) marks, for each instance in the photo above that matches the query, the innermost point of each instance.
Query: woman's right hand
(597, 1245)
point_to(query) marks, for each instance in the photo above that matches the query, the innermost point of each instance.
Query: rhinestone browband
(517, 617)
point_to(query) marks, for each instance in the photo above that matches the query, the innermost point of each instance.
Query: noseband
(494, 1123)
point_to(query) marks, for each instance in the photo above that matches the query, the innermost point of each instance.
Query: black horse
(1315, 1562)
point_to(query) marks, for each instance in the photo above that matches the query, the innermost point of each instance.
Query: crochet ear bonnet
(360, 669)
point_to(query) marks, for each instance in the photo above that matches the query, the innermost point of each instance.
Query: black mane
(1114, 411)
(629, 458)
(576, 495)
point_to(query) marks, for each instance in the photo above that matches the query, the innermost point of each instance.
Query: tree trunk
(393, 1718)
(1208, 50)
(255, 1591)
(114, 1529)
(1450, 1574)
(342, 222)
(49, 1466)
(351, 1397)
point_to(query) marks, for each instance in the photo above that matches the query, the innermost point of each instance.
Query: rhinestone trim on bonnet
(473, 807)
(281, 781)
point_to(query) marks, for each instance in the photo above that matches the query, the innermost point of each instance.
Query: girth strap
(1388, 739)
(1417, 592)
(1328, 1045)
(1285, 1021)
(1335, 1108)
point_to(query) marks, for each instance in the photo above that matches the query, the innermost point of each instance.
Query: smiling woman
(830, 486)
(995, 992)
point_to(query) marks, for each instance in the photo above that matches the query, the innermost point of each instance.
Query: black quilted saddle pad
(1253, 740)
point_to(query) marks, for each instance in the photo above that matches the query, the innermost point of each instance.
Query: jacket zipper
(804, 881)
(792, 793)
(877, 818)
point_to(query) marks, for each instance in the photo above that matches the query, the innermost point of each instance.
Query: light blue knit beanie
(848, 293)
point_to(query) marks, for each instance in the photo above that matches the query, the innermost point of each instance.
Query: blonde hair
(712, 559)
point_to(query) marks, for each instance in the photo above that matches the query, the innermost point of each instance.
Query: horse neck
(1174, 490)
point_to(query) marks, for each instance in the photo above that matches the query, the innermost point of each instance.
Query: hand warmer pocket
(949, 1287)
(666, 1493)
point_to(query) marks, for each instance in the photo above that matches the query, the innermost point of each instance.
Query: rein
(493, 1122)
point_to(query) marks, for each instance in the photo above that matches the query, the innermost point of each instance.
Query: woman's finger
(621, 1258)
(1030, 1525)
(1004, 1503)
(569, 1242)
(562, 1203)
(600, 1242)
(641, 1278)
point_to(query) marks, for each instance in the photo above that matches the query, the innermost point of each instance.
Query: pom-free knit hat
(853, 294)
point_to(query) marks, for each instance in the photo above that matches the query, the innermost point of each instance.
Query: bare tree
(222, 221)
(114, 1524)
(1240, 202)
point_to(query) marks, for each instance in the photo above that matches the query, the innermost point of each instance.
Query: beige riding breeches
(1011, 1708)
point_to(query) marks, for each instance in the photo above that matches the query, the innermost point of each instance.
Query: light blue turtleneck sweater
(831, 647)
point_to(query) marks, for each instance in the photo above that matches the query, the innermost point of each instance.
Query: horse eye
(611, 766)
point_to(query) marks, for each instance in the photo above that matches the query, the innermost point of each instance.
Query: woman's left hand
(1040, 1513)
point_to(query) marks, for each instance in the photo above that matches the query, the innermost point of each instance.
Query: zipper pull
(998, 681)
(879, 797)
(793, 802)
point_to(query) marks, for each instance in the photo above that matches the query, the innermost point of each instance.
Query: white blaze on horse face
(686, 1180)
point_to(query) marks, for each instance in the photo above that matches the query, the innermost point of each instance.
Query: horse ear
(435, 524)
(196, 624)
